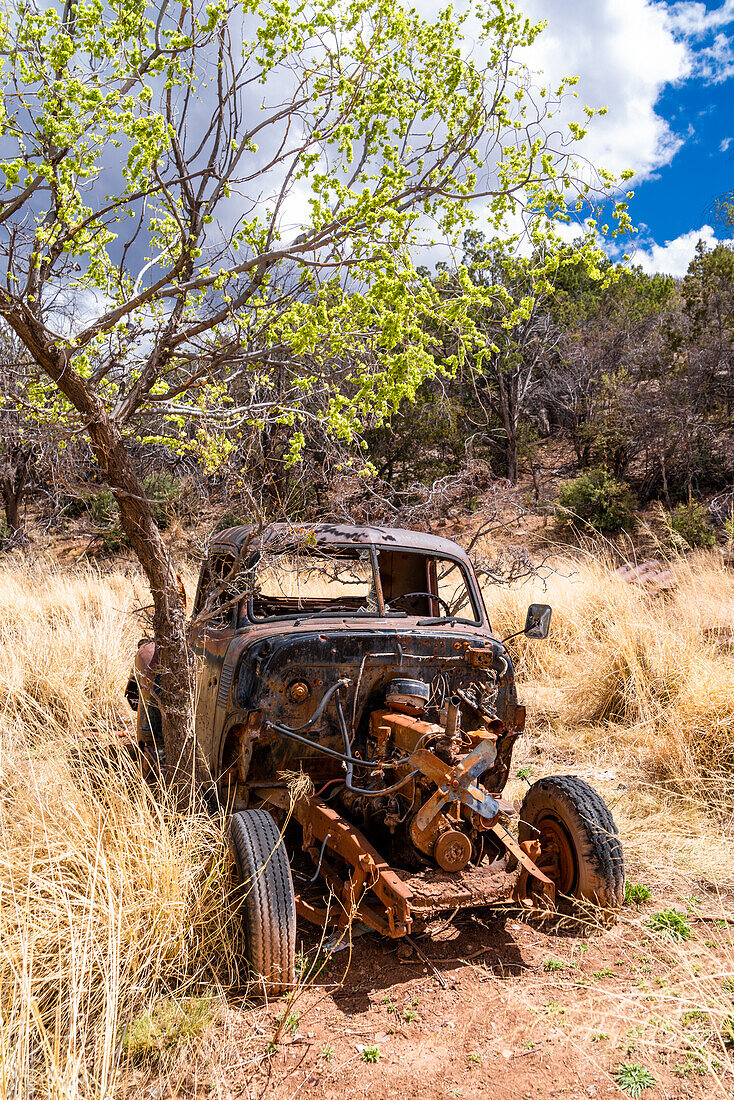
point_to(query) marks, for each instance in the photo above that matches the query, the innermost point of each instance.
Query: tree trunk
(512, 456)
(664, 473)
(176, 667)
(13, 484)
(509, 417)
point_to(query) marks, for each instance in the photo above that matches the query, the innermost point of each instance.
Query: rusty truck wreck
(358, 717)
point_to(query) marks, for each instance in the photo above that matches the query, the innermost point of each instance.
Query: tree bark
(176, 667)
(12, 485)
(508, 412)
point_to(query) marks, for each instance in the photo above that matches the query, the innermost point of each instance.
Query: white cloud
(673, 257)
(712, 54)
(625, 53)
(695, 20)
(716, 62)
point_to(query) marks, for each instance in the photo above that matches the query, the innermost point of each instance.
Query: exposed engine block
(443, 813)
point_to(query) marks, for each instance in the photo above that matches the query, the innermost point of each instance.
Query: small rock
(507, 1054)
(405, 951)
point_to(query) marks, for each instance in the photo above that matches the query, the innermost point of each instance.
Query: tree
(708, 310)
(516, 334)
(219, 189)
(602, 386)
(26, 452)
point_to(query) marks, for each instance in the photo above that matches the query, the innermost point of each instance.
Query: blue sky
(666, 73)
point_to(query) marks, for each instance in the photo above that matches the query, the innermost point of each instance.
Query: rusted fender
(146, 665)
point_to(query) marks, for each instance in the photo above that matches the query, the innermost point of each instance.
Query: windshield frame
(246, 615)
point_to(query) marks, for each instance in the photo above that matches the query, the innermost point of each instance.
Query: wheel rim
(557, 853)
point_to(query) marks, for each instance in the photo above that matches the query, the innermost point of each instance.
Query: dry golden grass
(636, 692)
(110, 901)
(65, 645)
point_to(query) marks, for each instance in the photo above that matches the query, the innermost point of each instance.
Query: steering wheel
(431, 596)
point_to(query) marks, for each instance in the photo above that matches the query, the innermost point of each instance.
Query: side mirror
(537, 623)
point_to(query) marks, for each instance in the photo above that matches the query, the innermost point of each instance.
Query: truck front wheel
(267, 898)
(580, 849)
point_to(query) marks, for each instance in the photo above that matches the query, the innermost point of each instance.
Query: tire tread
(602, 847)
(267, 897)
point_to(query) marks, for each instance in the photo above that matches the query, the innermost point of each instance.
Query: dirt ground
(504, 1008)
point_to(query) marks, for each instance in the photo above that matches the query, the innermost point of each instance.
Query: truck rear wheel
(580, 849)
(267, 897)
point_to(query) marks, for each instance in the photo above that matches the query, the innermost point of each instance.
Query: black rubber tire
(267, 897)
(571, 804)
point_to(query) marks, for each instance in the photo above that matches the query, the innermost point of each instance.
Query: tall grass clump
(653, 672)
(66, 641)
(110, 898)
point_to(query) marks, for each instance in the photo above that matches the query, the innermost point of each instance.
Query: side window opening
(451, 586)
(215, 600)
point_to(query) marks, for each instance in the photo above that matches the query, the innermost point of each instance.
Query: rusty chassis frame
(386, 899)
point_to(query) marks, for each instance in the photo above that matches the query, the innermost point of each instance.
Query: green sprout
(633, 1079)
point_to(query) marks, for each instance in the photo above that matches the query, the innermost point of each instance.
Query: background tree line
(623, 372)
(634, 376)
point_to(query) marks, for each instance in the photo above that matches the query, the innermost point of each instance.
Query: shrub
(671, 924)
(165, 494)
(636, 893)
(165, 1025)
(598, 500)
(231, 518)
(106, 515)
(690, 525)
(554, 964)
(73, 505)
(727, 1031)
(104, 508)
(633, 1079)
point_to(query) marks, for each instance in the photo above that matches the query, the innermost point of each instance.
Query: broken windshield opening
(308, 581)
(304, 582)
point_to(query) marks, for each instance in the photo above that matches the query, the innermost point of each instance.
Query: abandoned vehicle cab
(358, 716)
